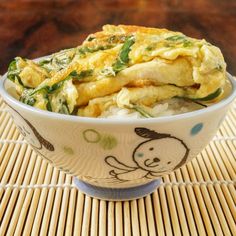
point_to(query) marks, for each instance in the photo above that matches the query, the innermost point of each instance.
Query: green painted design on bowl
(108, 142)
(91, 136)
(68, 150)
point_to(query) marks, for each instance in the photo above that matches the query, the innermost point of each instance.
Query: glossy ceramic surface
(116, 154)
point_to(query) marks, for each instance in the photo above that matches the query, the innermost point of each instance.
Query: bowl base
(117, 194)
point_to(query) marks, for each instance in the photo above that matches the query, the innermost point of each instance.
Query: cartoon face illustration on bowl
(159, 153)
(31, 134)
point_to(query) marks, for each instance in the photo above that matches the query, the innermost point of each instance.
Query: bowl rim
(116, 121)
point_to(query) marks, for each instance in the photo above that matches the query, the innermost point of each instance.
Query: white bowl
(116, 159)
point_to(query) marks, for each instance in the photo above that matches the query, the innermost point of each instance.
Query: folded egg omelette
(124, 66)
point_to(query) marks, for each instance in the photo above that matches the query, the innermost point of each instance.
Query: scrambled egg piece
(127, 97)
(123, 66)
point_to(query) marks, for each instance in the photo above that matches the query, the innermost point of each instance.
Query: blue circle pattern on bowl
(196, 129)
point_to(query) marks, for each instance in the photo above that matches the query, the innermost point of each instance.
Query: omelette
(128, 67)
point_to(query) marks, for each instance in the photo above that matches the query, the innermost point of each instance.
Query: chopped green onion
(45, 61)
(28, 100)
(123, 59)
(31, 101)
(191, 100)
(187, 43)
(181, 39)
(210, 96)
(54, 87)
(81, 75)
(91, 38)
(176, 38)
(64, 109)
(141, 111)
(17, 77)
(13, 71)
(149, 48)
(126, 48)
(84, 50)
(219, 67)
(49, 106)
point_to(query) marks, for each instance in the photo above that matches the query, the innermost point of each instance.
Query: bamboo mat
(37, 199)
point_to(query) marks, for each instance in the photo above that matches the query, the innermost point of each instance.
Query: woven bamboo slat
(37, 199)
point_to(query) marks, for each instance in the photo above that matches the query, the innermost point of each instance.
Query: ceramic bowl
(116, 159)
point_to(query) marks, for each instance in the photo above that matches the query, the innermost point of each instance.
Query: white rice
(165, 108)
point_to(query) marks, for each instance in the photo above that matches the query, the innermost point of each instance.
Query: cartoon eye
(156, 159)
(168, 162)
(139, 154)
(151, 149)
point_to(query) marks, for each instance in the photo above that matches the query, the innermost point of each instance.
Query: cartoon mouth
(151, 164)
